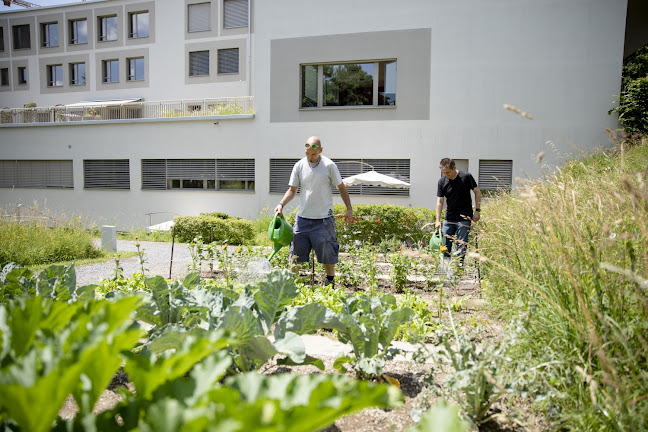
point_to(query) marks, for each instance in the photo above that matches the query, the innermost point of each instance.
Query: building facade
(149, 109)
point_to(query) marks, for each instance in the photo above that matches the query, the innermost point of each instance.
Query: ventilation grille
(495, 174)
(106, 174)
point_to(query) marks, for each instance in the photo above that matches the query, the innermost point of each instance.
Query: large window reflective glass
(309, 86)
(78, 32)
(387, 83)
(348, 84)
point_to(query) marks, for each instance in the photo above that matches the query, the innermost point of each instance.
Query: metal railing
(113, 110)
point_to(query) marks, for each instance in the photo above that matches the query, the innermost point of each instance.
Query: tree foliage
(633, 100)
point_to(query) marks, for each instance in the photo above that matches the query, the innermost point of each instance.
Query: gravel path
(157, 260)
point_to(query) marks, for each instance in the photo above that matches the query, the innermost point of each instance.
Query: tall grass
(33, 243)
(570, 253)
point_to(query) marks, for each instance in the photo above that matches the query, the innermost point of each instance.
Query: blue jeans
(318, 235)
(460, 230)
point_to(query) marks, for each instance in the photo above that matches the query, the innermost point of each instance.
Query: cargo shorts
(315, 234)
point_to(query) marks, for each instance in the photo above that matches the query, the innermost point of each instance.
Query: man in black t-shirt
(455, 186)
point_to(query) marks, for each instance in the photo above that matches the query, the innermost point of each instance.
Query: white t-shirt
(316, 198)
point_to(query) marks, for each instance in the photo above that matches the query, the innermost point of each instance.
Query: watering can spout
(280, 233)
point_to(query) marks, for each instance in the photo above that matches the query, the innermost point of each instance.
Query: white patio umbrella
(373, 178)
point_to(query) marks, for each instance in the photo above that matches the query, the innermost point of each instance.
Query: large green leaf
(62, 343)
(16, 280)
(274, 294)
(57, 281)
(307, 319)
(441, 417)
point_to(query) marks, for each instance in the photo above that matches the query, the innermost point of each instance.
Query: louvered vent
(106, 174)
(154, 174)
(495, 174)
(280, 170)
(235, 169)
(37, 174)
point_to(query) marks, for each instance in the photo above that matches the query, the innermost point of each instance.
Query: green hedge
(225, 228)
(374, 223)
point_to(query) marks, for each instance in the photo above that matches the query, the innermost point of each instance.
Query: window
(78, 32)
(55, 76)
(228, 60)
(280, 170)
(21, 37)
(495, 174)
(1, 39)
(136, 69)
(396, 168)
(349, 84)
(111, 71)
(235, 174)
(4, 77)
(106, 174)
(139, 25)
(205, 174)
(36, 174)
(199, 63)
(235, 13)
(77, 73)
(49, 35)
(22, 75)
(108, 28)
(199, 17)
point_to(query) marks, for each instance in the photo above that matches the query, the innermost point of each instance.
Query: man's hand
(279, 209)
(348, 216)
(476, 217)
(437, 225)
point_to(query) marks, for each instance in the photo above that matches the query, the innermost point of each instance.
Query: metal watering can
(280, 233)
(437, 240)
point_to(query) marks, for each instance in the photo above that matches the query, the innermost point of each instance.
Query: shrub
(633, 100)
(223, 228)
(30, 244)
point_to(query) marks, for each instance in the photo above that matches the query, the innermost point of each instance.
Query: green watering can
(437, 240)
(280, 233)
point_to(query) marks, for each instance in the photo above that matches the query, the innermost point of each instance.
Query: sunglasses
(313, 146)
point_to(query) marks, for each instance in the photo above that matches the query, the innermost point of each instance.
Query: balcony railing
(129, 110)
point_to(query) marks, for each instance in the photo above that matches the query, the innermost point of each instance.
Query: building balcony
(129, 110)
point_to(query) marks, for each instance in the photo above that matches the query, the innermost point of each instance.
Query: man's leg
(301, 245)
(449, 229)
(463, 229)
(327, 248)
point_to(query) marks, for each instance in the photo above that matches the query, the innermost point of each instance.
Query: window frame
(133, 70)
(21, 36)
(45, 174)
(2, 48)
(103, 28)
(47, 31)
(53, 72)
(74, 31)
(106, 72)
(74, 74)
(227, 62)
(22, 75)
(236, 9)
(204, 63)
(378, 76)
(192, 9)
(5, 80)
(199, 174)
(133, 16)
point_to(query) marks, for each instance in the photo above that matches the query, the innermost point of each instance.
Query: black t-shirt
(457, 195)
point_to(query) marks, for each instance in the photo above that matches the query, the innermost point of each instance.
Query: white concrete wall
(557, 60)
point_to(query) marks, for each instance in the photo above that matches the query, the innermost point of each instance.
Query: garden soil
(422, 382)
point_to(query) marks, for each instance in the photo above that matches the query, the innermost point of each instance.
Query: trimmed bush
(225, 228)
(375, 223)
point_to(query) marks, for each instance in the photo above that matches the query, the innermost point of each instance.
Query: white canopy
(164, 226)
(104, 103)
(373, 178)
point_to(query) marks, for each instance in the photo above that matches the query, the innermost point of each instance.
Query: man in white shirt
(315, 223)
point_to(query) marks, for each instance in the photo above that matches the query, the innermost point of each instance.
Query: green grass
(29, 244)
(107, 256)
(570, 256)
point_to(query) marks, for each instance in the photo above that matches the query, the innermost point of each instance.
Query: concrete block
(109, 238)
